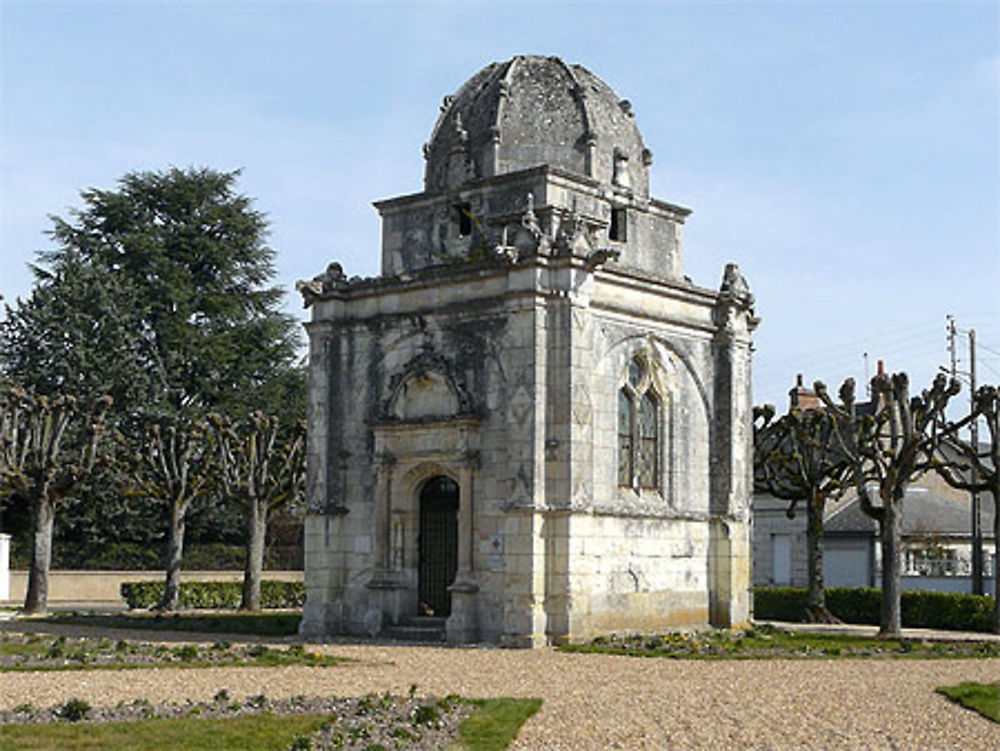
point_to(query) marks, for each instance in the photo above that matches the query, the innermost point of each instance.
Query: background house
(937, 536)
(937, 541)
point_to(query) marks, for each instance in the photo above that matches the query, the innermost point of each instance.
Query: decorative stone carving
(426, 365)
(734, 298)
(332, 278)
(734, 286)
(599, 257)
(537, 240)
(575, 236)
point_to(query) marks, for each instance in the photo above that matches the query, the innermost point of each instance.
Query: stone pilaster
(462, 626)
(729, 534)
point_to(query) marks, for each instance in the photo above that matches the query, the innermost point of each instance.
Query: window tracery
(639, 429)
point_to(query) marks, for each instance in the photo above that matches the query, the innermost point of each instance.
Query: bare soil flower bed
(38, 652)
(767, 642)
(372, 721)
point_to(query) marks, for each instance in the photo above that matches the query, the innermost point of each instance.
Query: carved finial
(503, 251)
(734, 286)
(734, 296)
(314, 288)
(529, 220)
(626, 107)
(446, 101)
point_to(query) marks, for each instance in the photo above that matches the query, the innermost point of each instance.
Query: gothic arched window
(638, 429)
(648, 448)
(625, 442)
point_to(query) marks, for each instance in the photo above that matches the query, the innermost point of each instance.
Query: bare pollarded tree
(957, 457)
(48, 446)
(888, 446)
(797, 460)
(262, 466)
(175, 463)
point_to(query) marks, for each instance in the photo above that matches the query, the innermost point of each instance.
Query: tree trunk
(257, 531)
(175, 552)
(816, 610)
(43, 518)
(890, 532)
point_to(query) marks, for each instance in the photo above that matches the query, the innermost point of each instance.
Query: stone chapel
(531, 427)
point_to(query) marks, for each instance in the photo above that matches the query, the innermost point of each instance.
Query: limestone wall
(632, 574)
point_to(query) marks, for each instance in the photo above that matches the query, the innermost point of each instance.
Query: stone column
(383, 509)
(463, 624)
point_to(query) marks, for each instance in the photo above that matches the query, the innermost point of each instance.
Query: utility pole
(977, 528)
(976, 524)
(951, 346)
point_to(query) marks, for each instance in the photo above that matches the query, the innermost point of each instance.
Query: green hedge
(214, 595)
(942, 610)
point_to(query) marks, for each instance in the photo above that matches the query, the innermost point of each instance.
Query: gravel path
(607, 702)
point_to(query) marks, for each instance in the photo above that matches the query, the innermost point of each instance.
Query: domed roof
(535, 110)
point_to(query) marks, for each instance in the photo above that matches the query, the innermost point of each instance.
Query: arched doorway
(438, 544)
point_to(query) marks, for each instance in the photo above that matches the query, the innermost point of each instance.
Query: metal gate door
(438, 544)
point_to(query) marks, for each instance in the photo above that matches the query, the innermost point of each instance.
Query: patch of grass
(495, 724)
(265, 732)
(771, 643)
(20, 649)
(260, 624)
(981, 697)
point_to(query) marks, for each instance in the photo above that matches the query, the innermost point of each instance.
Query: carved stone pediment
(427, 388)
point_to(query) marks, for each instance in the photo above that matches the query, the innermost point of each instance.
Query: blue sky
(846, 155)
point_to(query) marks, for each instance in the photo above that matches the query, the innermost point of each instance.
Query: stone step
(417, 628)
(423, 621)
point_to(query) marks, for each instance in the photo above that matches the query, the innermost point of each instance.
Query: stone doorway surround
(408, 454)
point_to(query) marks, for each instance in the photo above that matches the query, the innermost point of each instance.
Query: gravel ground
(601, 701)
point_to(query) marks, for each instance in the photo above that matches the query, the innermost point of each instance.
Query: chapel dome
(534, 110)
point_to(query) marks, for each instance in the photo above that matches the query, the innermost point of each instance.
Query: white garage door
(846, 566)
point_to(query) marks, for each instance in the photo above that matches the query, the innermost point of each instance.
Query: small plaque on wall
(494, 553)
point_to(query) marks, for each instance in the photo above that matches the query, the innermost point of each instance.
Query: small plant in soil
(74, 710)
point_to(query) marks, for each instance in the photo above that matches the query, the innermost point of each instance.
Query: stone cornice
(557, 175)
